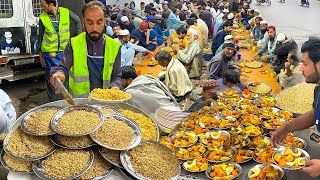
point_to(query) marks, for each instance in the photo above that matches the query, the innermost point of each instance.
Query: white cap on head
(208, 8)
(228, 37)
(193, 31)
(124, 19)
(263, 22)
(281, 37)
(256, 10)
(184, 8)
(230, 16)
(123, 32)
(226, 11)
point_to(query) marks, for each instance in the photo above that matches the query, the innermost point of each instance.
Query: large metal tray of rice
(77, 120)
(27, 147)
(72, 142)
(111, 155)
(297, 99)
(151, 160)
(109, 95)
(117, 133)
(64, 164)
(100, 168)
(107, 110)
(12, 164)
(253, 64)
(38, 121)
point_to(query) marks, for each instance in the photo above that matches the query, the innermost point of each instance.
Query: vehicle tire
(258, 2)
(307, 4)
(269, 3)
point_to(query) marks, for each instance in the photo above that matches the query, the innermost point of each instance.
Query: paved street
(291, 18)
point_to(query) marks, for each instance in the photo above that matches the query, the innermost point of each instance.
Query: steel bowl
(125, 160)
(56, 141)
(270, 117)
(100, 107)
(234, 152)
(209, 134)
(210, 169)
(281, 151)
(98, 101)
(231, 119)
(4, 164)
(189, 162)
(261, 166)
(5, 144)
(250, 87)
(55, 119)
(28, 116)
(133, 125)
(188, 149)
(108, 159)
(255, 67)
(39, 171)
(233, 160)
(174, 134)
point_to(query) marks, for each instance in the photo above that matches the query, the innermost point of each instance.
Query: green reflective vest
(79, 82)
(54, 41)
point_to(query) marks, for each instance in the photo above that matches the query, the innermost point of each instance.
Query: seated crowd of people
(189, 28)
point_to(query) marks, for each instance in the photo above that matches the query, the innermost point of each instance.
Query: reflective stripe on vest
(79, 81)
(54, 41)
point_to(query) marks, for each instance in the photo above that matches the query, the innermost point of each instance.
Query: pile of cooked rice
(99, 167)
(64, 163)
(40, 122)
(109, 94)
(154, 161)
(74, 142)
(78, 122)
(108, 111)
(147, 126)
(261, 88)
(112, 155)
(17, 165)
(114, 134)
(23, 145)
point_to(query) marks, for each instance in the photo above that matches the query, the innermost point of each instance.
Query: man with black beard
(91, 59)
(219, 64)
(310, 68)
(219, 38)
(54, 35)
(266, 52)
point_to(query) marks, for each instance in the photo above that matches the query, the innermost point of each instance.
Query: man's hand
(42, 61)
(312, 167)
(59, 75)
(115, 87)
(278, 136)
(150, 52)
(287, 65)
(264, 58)
(175, 47)
(256, 56)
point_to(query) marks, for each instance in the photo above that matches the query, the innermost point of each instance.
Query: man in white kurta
(191, 57)
(176, 78)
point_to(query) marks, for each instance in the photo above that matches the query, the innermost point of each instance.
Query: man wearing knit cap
(140, 34)
(264, 40)
(191, 57)
(128, 50)
(228, 39)
(219, 63)
(126, 23)
(266, 53)
(282, 50)
(135, 19)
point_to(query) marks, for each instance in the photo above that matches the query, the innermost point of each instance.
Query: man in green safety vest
(54, 35)
(91, 59)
